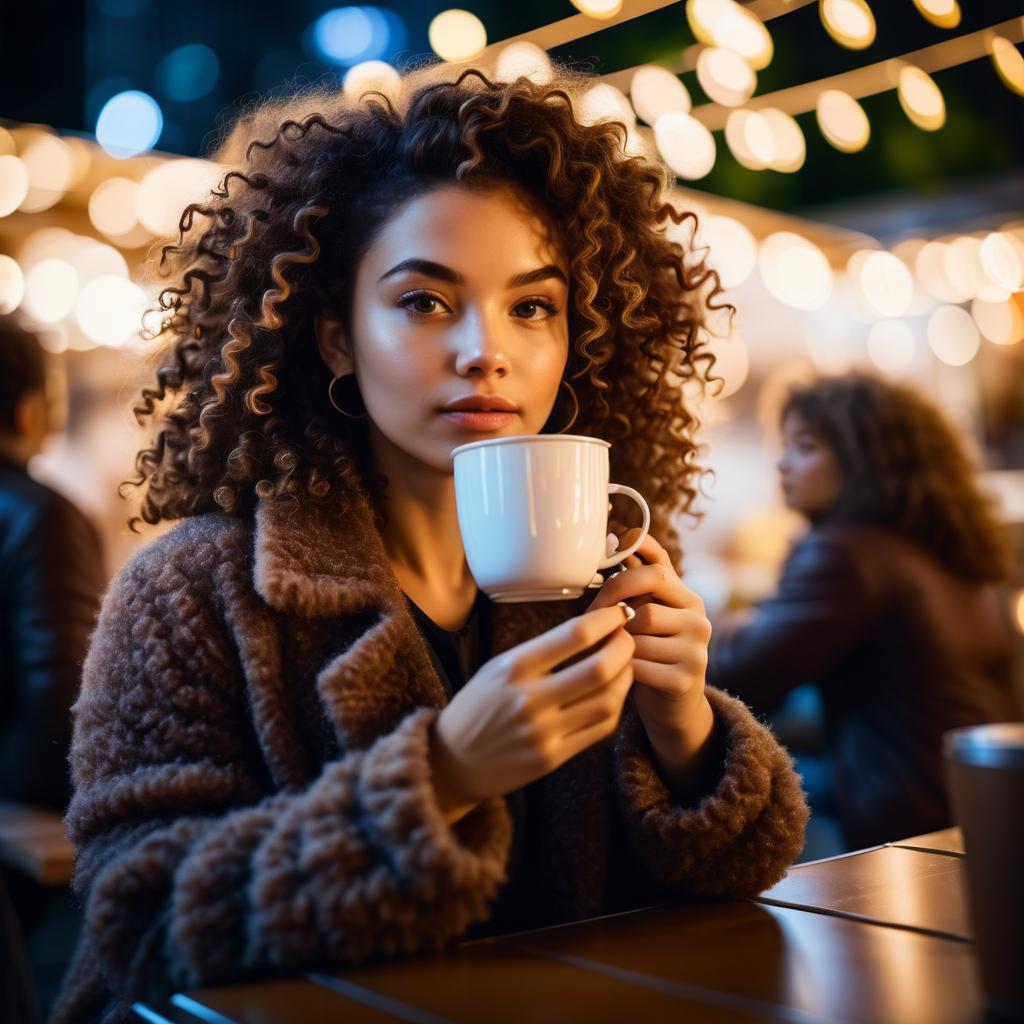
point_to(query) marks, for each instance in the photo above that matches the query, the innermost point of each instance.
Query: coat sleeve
(57, 569)
(191, 872)
(738, 838)
(823, 605)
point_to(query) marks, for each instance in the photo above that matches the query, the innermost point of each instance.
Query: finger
(544, 652)
(653, 619)
(675, 680)
(594, 672)
(658, 581)
(600, 706)
(664, 650)
(649, 551)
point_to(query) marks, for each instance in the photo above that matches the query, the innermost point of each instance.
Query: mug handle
(619, 556)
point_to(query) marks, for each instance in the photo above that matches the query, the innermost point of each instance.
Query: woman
(887, 604)
(304, 737)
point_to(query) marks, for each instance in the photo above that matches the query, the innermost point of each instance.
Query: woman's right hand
(517, 720)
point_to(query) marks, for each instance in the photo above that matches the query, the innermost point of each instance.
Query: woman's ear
(333, 344)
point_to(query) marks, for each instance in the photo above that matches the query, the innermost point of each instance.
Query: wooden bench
(35, 841)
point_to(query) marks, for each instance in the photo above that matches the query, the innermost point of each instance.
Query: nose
(481, 350)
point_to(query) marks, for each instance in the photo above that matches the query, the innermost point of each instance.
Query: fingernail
(627, 609)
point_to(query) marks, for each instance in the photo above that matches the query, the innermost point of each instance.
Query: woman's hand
(671, 631)
(518, 718)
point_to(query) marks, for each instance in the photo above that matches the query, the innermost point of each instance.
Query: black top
(457, 654)
(51, 578)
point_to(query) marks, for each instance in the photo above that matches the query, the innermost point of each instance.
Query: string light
(732, 249)
(12, 284)
(849, 22)
(13, 184)
(1001, 322)
(725, 76)
(685, 144)
(1008, 62)
(795, 270)
(842, 121)
(920, 98)
(113, 206)
(51, 287)
(600, 9)
(603, 102)
(790, 147)
(944, 13)
(724, 23)
(749, 136)
(953, 335)
(524, 59)
(371, 76)
(457, 35)
(655, 91)
(886, 284)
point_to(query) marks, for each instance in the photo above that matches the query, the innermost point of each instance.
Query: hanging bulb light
(725, 76)
(600, 9)
(727, 24)
(654, 91)
(920, 98)
(944, 13)
(1008, 62)
(842, 121)
(849, 22)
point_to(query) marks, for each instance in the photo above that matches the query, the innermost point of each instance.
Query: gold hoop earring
(330, 397)
(575, 407)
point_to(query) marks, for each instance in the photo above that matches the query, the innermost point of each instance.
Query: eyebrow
(442, 273)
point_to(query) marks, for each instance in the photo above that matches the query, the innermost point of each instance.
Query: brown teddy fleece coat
(252, 791)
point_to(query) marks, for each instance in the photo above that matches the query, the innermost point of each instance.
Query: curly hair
(277, 243)
(905, 467)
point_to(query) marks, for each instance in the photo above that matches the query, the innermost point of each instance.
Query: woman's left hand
(671, 631)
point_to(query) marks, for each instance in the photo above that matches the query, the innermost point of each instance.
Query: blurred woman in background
(888, 604)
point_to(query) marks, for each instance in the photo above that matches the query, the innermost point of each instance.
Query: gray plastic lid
(990, 746)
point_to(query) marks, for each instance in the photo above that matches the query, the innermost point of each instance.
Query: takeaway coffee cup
(985, 771)
(533, 513)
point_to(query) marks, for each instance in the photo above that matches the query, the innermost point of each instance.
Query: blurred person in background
(51, 580)
(889, 605)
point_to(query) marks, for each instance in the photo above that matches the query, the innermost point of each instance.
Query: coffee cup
(533, 514)
(985, 771)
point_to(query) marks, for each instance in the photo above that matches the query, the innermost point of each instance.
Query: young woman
(887, 604)
(304, 737)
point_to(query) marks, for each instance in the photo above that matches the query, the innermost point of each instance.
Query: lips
(481, 403)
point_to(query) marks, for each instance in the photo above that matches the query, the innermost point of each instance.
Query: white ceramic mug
(533, 513)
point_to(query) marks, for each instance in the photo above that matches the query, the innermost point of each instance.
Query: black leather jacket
(901, 650)
(51, 580)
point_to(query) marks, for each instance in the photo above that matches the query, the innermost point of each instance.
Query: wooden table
(875, 936)
(35, 841)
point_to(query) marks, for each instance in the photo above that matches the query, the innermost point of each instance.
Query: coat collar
(326, 560)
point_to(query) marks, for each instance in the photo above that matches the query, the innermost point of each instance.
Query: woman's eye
(421, 303)
(534, 309)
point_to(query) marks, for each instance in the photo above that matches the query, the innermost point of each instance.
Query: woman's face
(463, 293)
(809, 471)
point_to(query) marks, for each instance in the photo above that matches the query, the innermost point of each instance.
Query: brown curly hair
(278, 241)
(905, 467)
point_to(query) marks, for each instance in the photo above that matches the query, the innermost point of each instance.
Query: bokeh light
(685, 144)
(1001, 261)
(849, 22)
(523, 59)
(944, 13)
(725, 76)
(1002, 323)
(113, 206)
(726, 24)
(371, 76)
(109, 310)
(732, 364)
(51, 287)
(891, 345)
(842, 121)
(170, 187)
(920, 98)
(50, 164)
(188, 73)
(953, 335)
(749, 136)
(601, 9)
(603, 102)
(12, 284)
(795, 270)
(930, 267)
(790, 146)
(1009, 63)
(348, 35)
(654, 91)
(886, 283)
(129, 124)
(13, 184)
(732, 249)
(457, 35)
